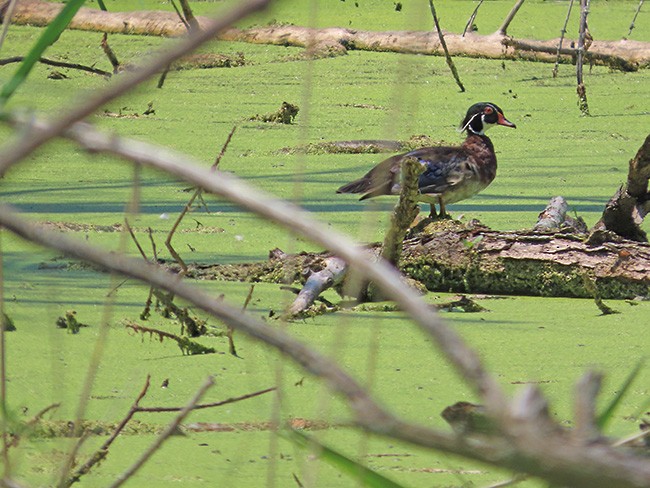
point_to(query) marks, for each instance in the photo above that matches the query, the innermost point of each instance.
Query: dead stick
(163, 76)
(562, 34)
(110, 54)
(180, 16)
(58, 64)
(511, 15)
(189, 15)
(586, 392)
(153, 244)
(333, 273)
(470, 21)
(638, 9)
(208, 405)
(582, 91)
(188, 206)
(3, 375)
(553, 216)
(171, 428)
(135, 239)
(231, 332)
(406, 210)
(443, 43)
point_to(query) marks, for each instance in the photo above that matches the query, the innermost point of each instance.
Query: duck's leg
(433, 214)
(443, 211)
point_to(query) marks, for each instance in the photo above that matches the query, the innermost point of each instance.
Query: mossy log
(625, 54)
(470, 258)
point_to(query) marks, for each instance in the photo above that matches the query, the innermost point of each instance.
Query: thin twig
(189, 15)
(72, 457)
(6, 21)
(135, 239)
(631, 438)
(511, 15)
(638, 9)
(562, 34)
(101, 453)
(230, 333)
(34, 139)
(208, 405)
(188, 208)
(443, 43)
(58, 64)
(180, 16)
(3, 373)
(470, 21)
(581, 89)
(110, 54)
(171, 428)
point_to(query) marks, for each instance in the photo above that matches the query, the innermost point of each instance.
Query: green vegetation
(545, 341)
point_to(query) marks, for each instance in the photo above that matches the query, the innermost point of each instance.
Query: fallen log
(470, 258)
(624, 54)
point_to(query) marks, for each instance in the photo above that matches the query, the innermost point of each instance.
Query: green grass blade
(49, 37)
(363, 474)
(102, 6)
(607, 414)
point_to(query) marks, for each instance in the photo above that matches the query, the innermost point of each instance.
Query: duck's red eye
(488, 110)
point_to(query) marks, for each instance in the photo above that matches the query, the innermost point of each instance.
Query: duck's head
(481, 116)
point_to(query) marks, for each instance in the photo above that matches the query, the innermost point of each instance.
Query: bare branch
(443, 43)
(559, 44)
(511, 15)
(586, 392)
(638, 9)
(164, 435)
(333, 273)
(58, 64)
(7, 16)
(110, 54)
(208, 405)
(553, 216)
(3, 373)
(581, 89)
(470, 21)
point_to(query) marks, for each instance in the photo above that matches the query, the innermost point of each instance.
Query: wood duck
(451, 174)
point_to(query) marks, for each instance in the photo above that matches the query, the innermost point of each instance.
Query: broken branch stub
(626, 210)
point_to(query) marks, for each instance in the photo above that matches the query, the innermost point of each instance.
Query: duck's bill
(503, 121)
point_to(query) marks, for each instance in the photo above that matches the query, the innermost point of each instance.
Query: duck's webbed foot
(443, 211)
(433, 215)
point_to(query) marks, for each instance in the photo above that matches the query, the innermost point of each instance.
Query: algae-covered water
(549, 342)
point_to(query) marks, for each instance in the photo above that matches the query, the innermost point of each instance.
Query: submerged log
(625, 54)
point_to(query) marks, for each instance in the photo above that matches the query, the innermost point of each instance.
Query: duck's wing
(444, 168)
(380, 180)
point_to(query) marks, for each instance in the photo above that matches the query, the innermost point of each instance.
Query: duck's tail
(362, 185)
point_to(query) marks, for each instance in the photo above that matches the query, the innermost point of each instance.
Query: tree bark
(625, 54)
